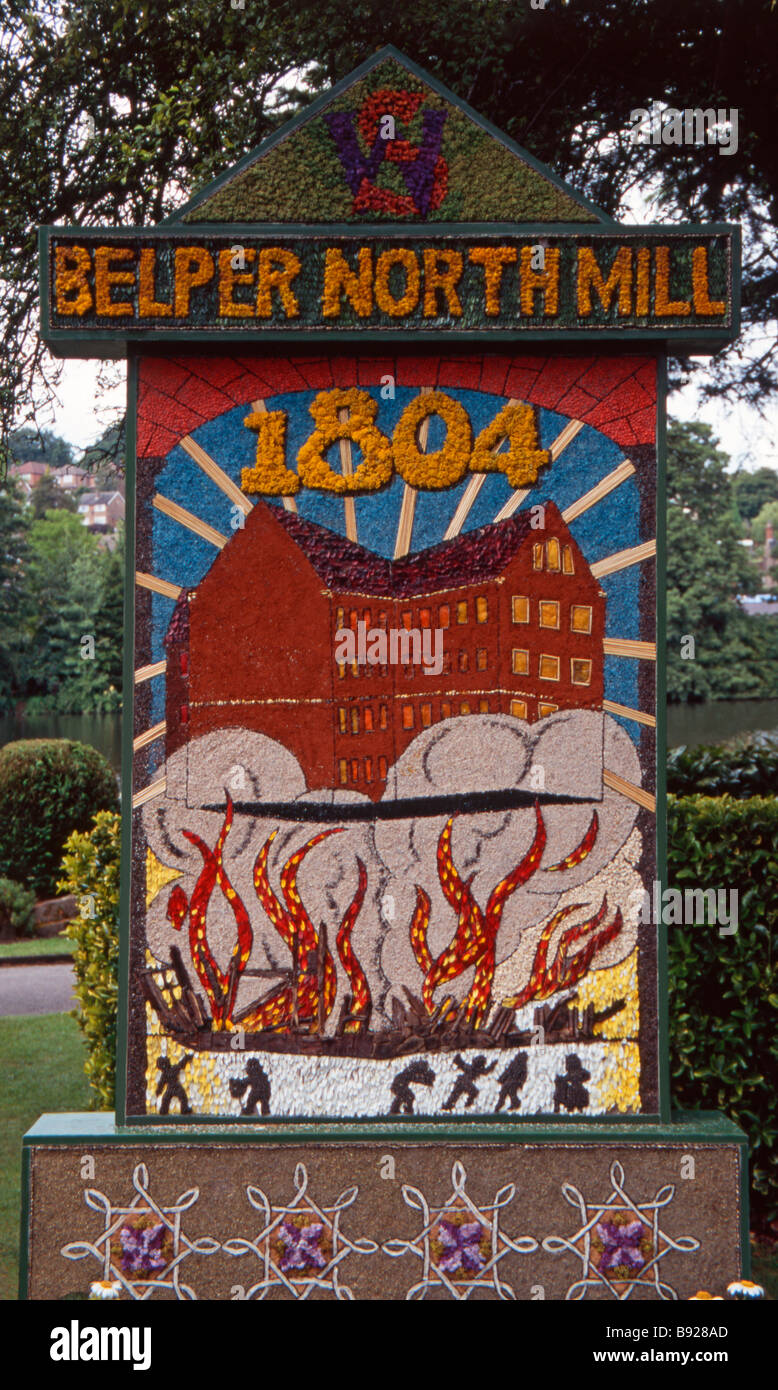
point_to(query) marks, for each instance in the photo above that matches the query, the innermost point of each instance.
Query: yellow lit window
(567, 561)
(382, 716)
(342, 720)
(368, 720)
(355, 769)
(407, 620)
(353, 618)
(553, 554)
(519, 709)
(580, 617)
(482, 610)
(382, 767)
(343, 771)
(580, 671)
(366, 617)
(445, 709)
(549, 613)
(549, 668)
(355, 720)
(341, 669)
(339, 618)
(464, 708)
(482, 658)
(444, 616)
(463, 661)
(462, 611)
(407, 716)
(426, 716)
(425, 617)
(368, 769)
(483, 706)
(520, 608)
(520, 665)
(544, 709)
(355, 668)
(537, 555)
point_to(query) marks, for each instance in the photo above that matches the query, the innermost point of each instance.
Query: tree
(75, 642)
(714, 651)
(48, 496)
(753, 490)
(111, 111)
(40, 446)
(14, 526)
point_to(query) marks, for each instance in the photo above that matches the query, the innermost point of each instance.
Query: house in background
(253, 645)
(101, 511)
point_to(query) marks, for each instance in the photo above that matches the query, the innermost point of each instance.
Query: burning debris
(293, 1012)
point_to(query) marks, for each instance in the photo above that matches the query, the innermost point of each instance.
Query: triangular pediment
(389, 144)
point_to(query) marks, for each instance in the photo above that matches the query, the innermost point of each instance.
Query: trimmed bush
(724, 989)
(746, 768)
(90, 868)
(48, 788)
(17, 910)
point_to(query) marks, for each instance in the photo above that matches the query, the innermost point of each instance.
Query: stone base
(385, 1211)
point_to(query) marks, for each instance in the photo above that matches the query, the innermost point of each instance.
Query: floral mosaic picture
(395, 736)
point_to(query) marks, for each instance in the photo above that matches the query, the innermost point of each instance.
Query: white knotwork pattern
(301, 1245)
(619, 1235)
(142, 1245)
(460, 1244)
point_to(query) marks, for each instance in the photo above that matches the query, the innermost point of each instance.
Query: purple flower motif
(461, 1247)
(356, 166)
(142, 1249)
(420, 172)
(621, 1245)
(302, 1246)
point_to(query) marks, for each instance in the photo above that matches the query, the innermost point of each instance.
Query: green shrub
(90, 869)
(746, 768)
(724, 989)
(48, 788)
(17, 909)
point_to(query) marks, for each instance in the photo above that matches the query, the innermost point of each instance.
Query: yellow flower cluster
(269, 474)
(346, 413)
(446, 465)
(517, 423)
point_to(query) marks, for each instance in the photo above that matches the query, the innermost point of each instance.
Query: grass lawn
(42, 1066)
(52, 946)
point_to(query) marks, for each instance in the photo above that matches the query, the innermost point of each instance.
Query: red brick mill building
(253, 645)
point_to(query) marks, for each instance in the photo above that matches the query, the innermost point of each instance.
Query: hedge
(48, 788)
(724, 989)
(746, 768)
(91, 871)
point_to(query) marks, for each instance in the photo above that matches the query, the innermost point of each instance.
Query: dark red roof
(473, 558)
(178, 631)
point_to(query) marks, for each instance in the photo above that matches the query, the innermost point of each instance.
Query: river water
(686, 724)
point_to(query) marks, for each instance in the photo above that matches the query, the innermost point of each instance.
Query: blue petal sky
(183, 558)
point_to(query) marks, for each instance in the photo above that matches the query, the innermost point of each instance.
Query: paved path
(36, 989)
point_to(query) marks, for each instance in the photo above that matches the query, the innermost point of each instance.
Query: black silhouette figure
(256, 1083)
(418, 1074)
(569, 1091)
(465, 1084)
(511, 1081)
(169, 1084)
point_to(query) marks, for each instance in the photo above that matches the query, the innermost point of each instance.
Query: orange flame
(476, 934)
(543, 981)
(220, 987)
(360, 990)
(312, 996)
